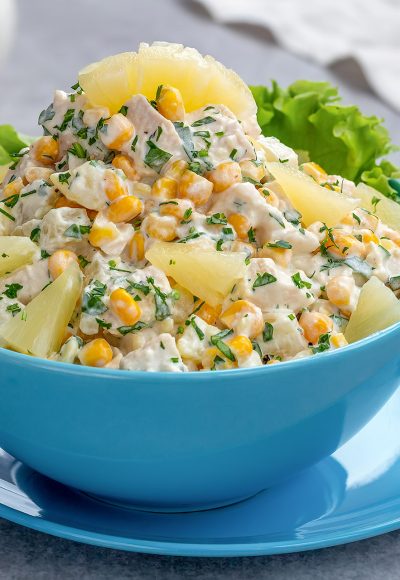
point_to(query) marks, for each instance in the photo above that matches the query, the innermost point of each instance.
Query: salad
(153, 227)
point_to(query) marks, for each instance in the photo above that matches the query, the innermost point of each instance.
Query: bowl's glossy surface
(190, 441)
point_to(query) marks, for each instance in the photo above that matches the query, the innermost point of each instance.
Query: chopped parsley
(263, 280)
(92, 300)
(187, 216)
(197, 329)
(186, 138)
(138, 286)
(232, 154)
(102, 324)
(280, 244)
(217, 218)
(83, 262)
(76, 231)
(64, 177)
(323, 344)
(69, 115)
(299, 282)
(132, 329)
(155, 157)
(162, 309)
(13, 308)
(12, 290)
(123, 110)
(217, 341)
(35, 235)
(251, 235)
(204, 121)
(77, 150)
(134, 143)
(268, 332)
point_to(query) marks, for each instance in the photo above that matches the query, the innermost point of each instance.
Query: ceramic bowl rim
(43, 364)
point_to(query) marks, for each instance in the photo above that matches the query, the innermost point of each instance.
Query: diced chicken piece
(226, 135)
(153, 133)
(29, 281)
(65, 228)
(159, 354)
(269, 287)
(284, 335)
(195, 339)
(9, 307)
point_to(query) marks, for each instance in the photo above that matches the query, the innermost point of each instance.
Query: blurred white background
(55, 38)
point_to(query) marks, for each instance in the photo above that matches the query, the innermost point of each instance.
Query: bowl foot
(168, 509)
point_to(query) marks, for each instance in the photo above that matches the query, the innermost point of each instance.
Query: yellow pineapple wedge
(208, 274)
(201, 80)
(15, 251)
(384, 208)
(377, 309)
(314, 202)
(40, 328)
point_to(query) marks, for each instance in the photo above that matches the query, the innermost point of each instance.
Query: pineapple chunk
(201, 80)
(377, 309)
(15, 251)
(208, 274)
(40, 328)
(314, 202)
(386, 209)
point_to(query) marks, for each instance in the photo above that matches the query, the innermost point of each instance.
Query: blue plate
(353, 494)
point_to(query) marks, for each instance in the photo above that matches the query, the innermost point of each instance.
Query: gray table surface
(55, 38)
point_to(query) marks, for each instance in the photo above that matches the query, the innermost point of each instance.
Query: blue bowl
(181, 442)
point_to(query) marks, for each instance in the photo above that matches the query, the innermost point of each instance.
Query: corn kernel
(34, 173)
(240, 224)
(315, 171)
(214, 359)
(209, 314)
(338, 340)
(100, 235)
(164, 188)
(125, 306)
(96, 353)
(281, 256)
(124, 209)
(345, 245)
(59, 262)
(175, 169)
(339, 290)
(368, 237)
(225, 175)
(253, 170)
(127, 165)
(180, 208)
(161, 227)
(136, 247)
(194, 187)
(46, 150)
(243, 313)
(63, 201)
(270, 196)
(170, 103)
(113, 185)
(241, 346)
(119, 131)
(13, 188)
(314, 324)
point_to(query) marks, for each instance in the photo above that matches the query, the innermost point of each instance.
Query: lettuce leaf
(310, 117)
(11, 143)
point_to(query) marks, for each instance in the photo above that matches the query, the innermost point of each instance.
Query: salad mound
(152, 227)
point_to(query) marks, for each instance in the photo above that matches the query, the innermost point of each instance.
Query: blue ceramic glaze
(181, 442)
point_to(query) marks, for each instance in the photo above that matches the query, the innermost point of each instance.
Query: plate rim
(186, 549)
